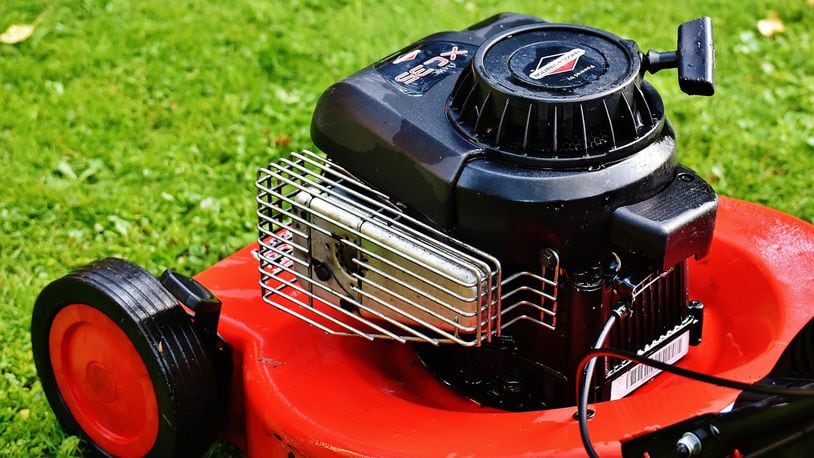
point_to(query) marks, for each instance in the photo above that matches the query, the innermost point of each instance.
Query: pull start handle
(694, 58)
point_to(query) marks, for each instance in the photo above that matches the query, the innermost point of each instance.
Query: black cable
(584, 378)
(586, 375)
(792, 437)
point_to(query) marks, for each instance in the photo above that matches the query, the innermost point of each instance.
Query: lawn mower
(496, 253)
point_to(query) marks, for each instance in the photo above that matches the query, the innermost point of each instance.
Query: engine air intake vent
(555, 96)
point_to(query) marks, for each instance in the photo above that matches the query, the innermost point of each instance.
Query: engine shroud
(541, 145)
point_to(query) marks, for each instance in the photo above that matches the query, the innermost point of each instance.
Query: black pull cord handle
(694, 58)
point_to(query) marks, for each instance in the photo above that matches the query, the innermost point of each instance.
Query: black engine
(542, 145)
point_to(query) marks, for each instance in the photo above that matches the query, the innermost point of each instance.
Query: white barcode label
(639, 374)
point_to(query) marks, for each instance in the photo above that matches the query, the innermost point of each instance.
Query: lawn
(134, 129)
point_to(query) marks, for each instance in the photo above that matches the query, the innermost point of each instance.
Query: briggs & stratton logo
(563, 62)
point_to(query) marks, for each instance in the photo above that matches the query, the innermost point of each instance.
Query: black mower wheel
(122, 365)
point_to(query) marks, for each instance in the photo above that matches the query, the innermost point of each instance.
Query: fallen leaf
(282, 140)
(771, 25)
(16, 33)
(717, 173)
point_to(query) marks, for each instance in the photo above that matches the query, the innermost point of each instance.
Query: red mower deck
(297, 391)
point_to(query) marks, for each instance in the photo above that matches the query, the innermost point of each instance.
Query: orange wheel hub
(103, 381)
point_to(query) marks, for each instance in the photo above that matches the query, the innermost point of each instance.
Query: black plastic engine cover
(396, 125)
(389, 126)
(673, 225)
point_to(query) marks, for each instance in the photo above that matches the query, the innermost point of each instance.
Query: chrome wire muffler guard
(341, 256)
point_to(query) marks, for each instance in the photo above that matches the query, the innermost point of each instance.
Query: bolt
(688, 445)
(322, 271)
(548, 257)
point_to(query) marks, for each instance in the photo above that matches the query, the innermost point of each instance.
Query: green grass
(134, 128)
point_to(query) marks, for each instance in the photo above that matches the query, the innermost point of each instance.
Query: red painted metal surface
(302, 391)
(103, 381)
